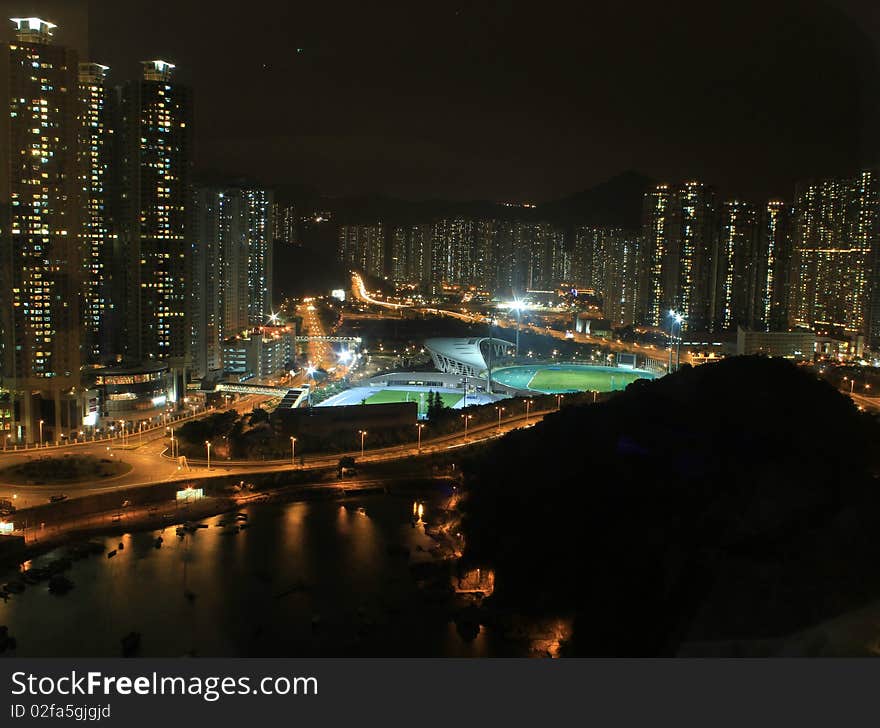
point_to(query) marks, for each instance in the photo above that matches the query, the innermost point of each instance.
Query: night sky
(508, 100)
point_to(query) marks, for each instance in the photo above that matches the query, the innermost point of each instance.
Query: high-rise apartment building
(511, 258)
(155, 127)
(284, 224)
(582, 256)
(836, 235)
(613, 271)
(739, 259)
(774, 272)
(411, 254)
(232, 268)
(40, 270)
(452, 253)
(678, 258)
(362, 247)
(96, 248)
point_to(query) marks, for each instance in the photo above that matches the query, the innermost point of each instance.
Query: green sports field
(558, 379)
(397, 395)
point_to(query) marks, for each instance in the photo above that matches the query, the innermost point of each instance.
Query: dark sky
(510, 100)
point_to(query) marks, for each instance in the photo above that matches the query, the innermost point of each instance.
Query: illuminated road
(142, 451)
(320, 354)
(359, 291)
(151, 464)
(871, 404)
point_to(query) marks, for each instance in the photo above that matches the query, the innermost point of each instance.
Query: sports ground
(454, 399)
(398, 395)
(562, 378)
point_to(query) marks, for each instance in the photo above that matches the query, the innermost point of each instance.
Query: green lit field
(553, 379)
(397, 395)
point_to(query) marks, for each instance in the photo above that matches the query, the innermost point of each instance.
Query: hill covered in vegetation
(730, 501)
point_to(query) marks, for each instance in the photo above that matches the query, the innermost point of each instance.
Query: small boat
(130, 643)
(243, 526)
(241, 516)
(362, 511)
(111, 554)
(157, 543)
(121, 546)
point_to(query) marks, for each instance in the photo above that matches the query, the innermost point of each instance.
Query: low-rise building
(127, 392)
(799, 344)
(262, 353)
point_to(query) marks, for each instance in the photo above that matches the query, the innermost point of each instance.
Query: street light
(466, 418)
(208, 445)
(517, 307)
(420, 427)
(41, 433)
(677, 318)
(293, 451)
(500, 410)
(559, 401)
(528, 409)
(363, 434)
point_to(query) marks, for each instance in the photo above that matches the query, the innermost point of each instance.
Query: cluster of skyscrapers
(110, 253)
(489, 254)
(720, 264)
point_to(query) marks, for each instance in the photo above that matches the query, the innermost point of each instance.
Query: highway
(359, 291)
(870, 404)
(143, 451)
(152, 464)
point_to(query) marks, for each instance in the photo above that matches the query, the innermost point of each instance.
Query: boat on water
(111, 554)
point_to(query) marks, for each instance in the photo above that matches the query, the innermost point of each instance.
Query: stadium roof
(465, 356)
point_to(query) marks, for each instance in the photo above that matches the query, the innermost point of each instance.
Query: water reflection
(300, 579)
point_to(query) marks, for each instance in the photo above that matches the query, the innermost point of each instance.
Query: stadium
(564, 378)
(475, 371)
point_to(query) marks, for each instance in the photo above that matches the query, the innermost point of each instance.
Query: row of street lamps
(363, 433)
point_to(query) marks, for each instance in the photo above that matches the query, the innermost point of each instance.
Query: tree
(258, 415)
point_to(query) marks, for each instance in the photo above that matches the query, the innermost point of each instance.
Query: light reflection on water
(312, 578)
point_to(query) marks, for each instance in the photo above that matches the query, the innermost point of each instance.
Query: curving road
(151, 463)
